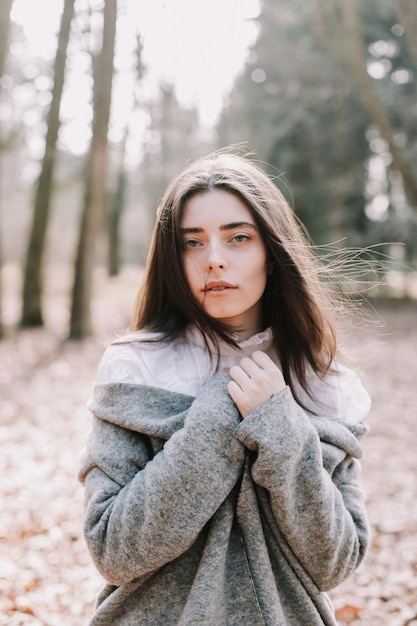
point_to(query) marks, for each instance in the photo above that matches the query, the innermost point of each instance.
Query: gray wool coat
(196, 517)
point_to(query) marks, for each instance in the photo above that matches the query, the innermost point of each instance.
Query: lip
(218, 287)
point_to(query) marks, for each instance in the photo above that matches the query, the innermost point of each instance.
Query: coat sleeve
(141, 515)
(310, 469)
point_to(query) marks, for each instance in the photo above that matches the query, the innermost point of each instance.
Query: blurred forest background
(327, 96)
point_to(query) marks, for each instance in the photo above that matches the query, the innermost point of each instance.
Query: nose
(215, 257)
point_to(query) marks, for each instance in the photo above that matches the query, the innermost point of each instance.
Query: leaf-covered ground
(46, 578)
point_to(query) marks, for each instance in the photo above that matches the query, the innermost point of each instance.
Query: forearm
(321, 517)
(137, 527)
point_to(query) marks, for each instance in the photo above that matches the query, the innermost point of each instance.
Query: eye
(191, 243)
(240, 238)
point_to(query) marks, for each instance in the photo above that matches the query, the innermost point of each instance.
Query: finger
(239, 398)
(271, 371)
(239, 376)
(263, 360)
(235, 391)
(249, 366)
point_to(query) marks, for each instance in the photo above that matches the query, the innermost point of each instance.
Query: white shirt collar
(260, 341)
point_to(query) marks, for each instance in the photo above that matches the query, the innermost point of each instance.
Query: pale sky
(199, 45)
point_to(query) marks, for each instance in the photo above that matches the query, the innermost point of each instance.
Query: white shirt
(185, 365)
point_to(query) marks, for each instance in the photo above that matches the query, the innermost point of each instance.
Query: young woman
(221, 472)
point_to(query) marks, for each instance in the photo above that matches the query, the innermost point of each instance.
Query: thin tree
(33, 277)
(5, 10)
(407, 12)
(116, 209)
(356, 58)
(119, 197)
(95, 195)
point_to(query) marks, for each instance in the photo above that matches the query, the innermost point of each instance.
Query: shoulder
(123, 362)
(147, 359)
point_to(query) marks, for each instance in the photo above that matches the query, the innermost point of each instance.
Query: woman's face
(225, 259)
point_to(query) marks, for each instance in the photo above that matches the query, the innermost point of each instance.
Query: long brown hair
(296, 304)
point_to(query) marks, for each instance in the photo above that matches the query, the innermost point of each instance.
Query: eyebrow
(230, 226)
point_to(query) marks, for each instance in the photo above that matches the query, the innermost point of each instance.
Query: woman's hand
(254, 382)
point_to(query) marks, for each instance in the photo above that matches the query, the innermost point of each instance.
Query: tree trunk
(32, 285)
(407, 12)
(5, 8)
(356, 57)
(115, 214)
(116, 209)
(95, 197)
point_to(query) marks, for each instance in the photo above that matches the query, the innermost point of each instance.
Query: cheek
(259, 273)
(259, 285)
